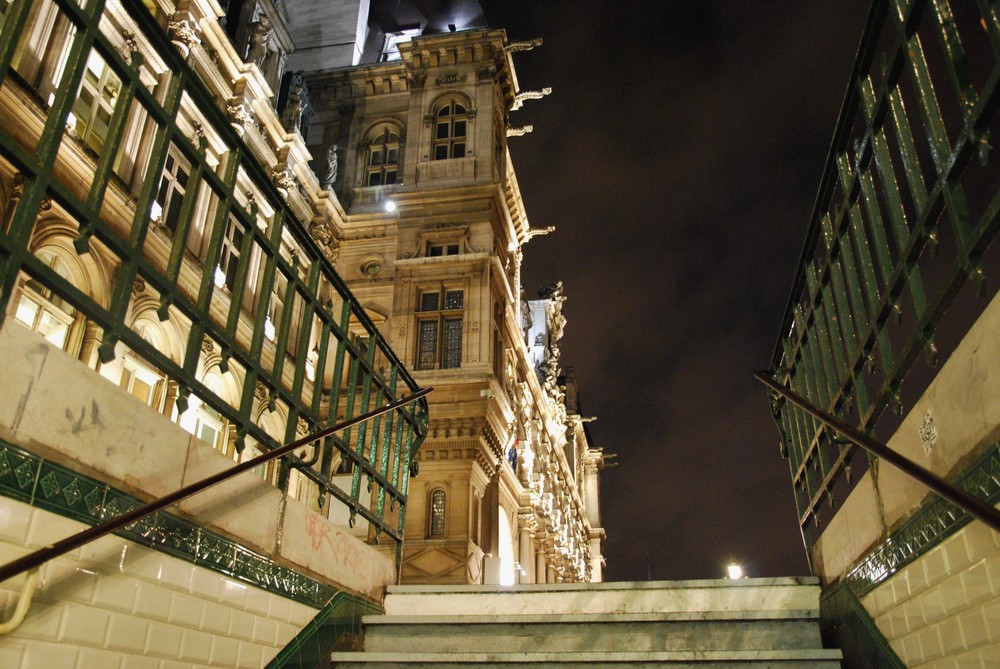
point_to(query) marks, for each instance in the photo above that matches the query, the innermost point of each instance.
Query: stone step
(777, 659)
(752, 594)
(596, 632)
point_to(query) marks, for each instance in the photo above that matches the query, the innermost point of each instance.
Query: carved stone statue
(260, 33)
(331, 167)
(295, 117)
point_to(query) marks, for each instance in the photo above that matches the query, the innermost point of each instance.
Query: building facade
(502, 496)
(186, 193)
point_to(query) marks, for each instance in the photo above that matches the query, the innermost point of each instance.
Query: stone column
(596, 575)
(593, 495)
(525, 557)
(491, 532)
(540, 565)
(89, 344)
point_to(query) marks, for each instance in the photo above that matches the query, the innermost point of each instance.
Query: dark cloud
(678, 156)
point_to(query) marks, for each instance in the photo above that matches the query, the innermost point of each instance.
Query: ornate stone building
(416, 147)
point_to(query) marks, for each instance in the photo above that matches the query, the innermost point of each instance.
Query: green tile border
(936, 521)
(336, 626)
(31, 479)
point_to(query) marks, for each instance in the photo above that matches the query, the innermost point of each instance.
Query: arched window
(438, 500)
(382, 166)
(450, 127)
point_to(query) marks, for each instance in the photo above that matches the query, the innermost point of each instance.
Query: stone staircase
(757, 623)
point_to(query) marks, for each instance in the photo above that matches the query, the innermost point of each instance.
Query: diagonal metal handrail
(42, 555)
(950, 492)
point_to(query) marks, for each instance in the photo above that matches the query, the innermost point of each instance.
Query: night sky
(678, 157)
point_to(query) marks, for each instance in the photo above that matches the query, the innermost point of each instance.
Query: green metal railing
(312, 329)
(907, 208)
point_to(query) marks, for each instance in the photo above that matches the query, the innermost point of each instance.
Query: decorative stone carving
(138, 286)
(298, 109)
(260, 391)
(331, 167)
(519, 132)
(184, 32)
(260, 34)
(526, 45)
(207, 345)
(418, 78)
(240, 115)
(451, 79)
(320, 232)
(284, 181)
(928, 433)
(529, 95)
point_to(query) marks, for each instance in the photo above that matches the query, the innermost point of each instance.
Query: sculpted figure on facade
(330, 176)
(295, 116)
(260, 34)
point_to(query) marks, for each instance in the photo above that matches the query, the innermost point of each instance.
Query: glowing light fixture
(390, 206)
(734, 571)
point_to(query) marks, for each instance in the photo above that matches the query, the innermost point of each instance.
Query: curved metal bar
(960, 498)
(42, 555)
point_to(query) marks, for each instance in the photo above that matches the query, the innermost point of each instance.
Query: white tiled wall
(943, 611)
(116, 605)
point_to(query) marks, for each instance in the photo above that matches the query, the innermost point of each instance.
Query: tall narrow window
(229, 260)
(173, 184)
(437, 513)
(95, 102)
(439, 329)
(383, 158)
(450, 123)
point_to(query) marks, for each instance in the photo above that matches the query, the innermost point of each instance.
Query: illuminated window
(229, 260)
(450, 127)
(41, 310)
(383, 158)
(439, 329)
(438, 500)
(143, 383)
(205, 423)
(95, 102)
(169, 196)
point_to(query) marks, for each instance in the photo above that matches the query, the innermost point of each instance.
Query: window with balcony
(382, 166)
(439, 329)
(450, 126)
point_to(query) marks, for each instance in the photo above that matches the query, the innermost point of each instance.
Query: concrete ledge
(631, 586)
(683, 616)
(768, 594)
(593, 658)
(61, 410)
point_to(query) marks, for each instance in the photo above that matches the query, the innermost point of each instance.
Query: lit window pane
(52, 329)
(454, 299)
(26, 311)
